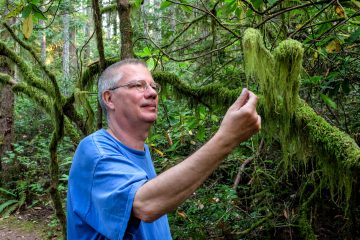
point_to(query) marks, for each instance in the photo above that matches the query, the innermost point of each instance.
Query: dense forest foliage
(297, 179)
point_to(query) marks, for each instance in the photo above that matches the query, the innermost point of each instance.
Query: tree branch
(209, 13)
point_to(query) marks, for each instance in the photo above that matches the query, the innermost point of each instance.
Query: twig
(287, 10)
(311, 19)
(247, 161)
(57, 9)
(209, 13)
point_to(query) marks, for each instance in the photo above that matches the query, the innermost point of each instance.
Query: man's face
(132, 105)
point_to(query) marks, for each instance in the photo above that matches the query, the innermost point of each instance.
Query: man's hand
(241, 121)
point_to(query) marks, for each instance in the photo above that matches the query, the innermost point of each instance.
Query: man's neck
(131, 137)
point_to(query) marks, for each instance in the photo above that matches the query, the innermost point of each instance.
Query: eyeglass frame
(157, 86)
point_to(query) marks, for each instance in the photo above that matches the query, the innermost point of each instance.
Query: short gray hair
(112, 75)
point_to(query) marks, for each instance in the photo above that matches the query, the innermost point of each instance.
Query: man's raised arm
(168, 190)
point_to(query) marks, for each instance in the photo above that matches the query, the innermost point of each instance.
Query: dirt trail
(31, 224)
(8, 233)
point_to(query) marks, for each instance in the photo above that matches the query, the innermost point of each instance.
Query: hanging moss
(301, 133)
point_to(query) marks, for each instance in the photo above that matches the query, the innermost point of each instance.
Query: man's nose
(150, 92)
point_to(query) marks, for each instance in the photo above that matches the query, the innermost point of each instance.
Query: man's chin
(150, 119)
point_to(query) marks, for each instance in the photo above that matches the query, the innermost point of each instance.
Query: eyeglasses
(140, 85)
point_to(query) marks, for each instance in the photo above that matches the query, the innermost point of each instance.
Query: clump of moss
(289, 120)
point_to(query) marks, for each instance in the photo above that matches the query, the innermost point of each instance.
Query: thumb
(242, 99)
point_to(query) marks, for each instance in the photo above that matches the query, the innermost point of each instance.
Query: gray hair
(111, 76)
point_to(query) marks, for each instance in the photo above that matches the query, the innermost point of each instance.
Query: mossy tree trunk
(6, 113)
(100, 46)
(126, 32)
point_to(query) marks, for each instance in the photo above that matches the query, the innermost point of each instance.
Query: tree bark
(126, 33)
(66, 49)
(73, 56)
(43, 40)
(87, 30)
(6, 113)
(100, 46)
(7, 101)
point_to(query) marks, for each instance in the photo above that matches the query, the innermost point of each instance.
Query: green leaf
(136, 3)
(146, 52)
(256, 3)
(15, 11)
(165, 4)
(354, 36)
(26, 11)
(328, 101)
(187, 9)
(150, 64)
(38, 13)
(201, 133)
(27, 26)
(173, 147)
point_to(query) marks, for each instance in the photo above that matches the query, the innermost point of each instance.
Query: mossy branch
(33, 93)
(109, 8)
(70, 130)
(335, 143)
(71, 113)
(210, 95)
(6, 79)
(88, 77)
(37, 59)
(26, 71)
(255, 225)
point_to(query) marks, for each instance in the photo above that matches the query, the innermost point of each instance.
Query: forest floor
(32, 224)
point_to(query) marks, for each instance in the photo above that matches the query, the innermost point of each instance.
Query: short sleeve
(115, 183)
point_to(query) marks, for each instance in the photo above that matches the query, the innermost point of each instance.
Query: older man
(114, 192)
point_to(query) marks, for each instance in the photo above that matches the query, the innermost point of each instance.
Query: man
(114, 192)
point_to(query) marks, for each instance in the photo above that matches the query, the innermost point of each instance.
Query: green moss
(209, 95)
(301, 133)
(26, 71)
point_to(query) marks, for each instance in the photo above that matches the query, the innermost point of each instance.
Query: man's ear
(107, 98)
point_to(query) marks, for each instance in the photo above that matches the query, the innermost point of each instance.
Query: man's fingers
(251, 101)
(241, 100)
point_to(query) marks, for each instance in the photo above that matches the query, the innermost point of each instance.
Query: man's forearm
(168, 190)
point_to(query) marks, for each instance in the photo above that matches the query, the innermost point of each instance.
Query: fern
(6, 192)
(11, 209)
(7, 204)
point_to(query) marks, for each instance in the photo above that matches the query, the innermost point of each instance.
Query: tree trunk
(73, 56)
(87, 30)
(100, 47)
(125, 29)
(43, 40)
(6, 113)
(108, 24)
(66, 49)
(7, 101)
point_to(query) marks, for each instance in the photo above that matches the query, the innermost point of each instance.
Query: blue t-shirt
(104, 177)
